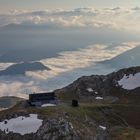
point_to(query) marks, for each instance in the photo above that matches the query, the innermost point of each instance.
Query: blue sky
(6, 5)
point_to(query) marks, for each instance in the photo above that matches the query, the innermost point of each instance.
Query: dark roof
(42, 94)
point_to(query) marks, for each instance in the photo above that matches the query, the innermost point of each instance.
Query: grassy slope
(115, 117)
(122, 119)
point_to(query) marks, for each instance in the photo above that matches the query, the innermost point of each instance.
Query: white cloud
(69, 60)
(18, 86)
(116, 18)
(65, 68)
(3, 66)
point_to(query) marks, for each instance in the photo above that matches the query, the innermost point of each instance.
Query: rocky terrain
(86, 122)
(108, 109)
(105, 86)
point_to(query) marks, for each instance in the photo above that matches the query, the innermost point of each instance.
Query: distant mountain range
(7, 102)
(127, 59)
(20, 69)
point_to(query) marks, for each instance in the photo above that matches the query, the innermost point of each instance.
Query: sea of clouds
(65, 68)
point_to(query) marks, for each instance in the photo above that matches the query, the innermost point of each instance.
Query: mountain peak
(21, 68)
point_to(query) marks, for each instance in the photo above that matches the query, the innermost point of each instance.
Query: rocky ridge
(102, 85)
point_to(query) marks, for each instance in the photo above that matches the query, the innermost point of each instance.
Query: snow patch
(46, 105)
(99, 98)
(102, 127)
(130, 82)
(96, 92)
(22, 125)
(89, 89)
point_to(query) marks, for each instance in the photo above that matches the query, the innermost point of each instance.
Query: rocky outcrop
(55, 129)
(59, 128)
(102, 85)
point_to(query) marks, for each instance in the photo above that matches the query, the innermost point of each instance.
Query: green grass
(119, 115)
(121, 133)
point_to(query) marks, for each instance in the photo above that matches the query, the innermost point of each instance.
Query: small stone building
(38, 99)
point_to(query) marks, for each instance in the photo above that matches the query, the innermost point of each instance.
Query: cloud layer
(64, 69)
(116, 18)
(82, 58)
